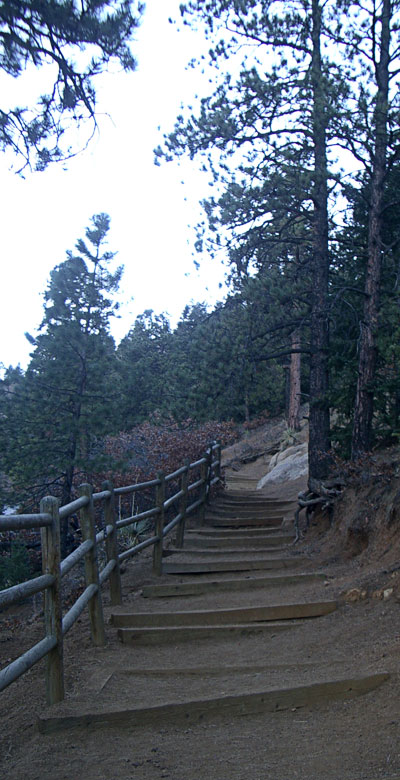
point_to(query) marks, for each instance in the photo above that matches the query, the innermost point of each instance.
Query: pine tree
(143, 363)
(67, 396)
(55, 33)
(382, 52)
(259, 133)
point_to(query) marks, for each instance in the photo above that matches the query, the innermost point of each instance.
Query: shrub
(14, 568)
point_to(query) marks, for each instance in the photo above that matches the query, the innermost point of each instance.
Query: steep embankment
(362, 541)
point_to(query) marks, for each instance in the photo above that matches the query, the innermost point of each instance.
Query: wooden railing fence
(207, 472)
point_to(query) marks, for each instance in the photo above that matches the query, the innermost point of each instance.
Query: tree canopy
(296, 84)
(76, 42)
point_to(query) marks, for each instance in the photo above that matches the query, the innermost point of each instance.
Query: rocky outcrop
(290, 464)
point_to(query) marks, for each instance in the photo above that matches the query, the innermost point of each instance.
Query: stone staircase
(223, 631)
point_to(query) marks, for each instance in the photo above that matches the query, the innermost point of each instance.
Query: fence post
(52, 600)
(158, 547)
(203, 488)
(209, 471)
(182, 506)
(95, 606)
(218, 459)
(112, 545)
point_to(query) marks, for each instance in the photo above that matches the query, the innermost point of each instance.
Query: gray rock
(292, 467)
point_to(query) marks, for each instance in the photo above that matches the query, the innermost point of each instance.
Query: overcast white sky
(44, 214)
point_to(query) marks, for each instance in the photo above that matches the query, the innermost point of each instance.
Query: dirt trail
(351, 739)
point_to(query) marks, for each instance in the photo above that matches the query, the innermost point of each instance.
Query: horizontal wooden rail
(138, 547)
(172, 524)
(134, 488)
(21, 665)
(105, 573)
(76, 610)
(170, 501)
(21, 522)
(73, 558)
(102, 495)
(49, 583)
(102, 535)
(195, 485)
(25, 589)
(135, 518)
(194, 506)
(72, 507)
(176, 474)
(197, 463)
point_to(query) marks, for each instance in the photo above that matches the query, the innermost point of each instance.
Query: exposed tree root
(321, 494)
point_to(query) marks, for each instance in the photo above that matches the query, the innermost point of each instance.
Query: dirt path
(354, 738)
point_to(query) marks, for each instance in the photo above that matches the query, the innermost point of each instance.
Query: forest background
(300, 135)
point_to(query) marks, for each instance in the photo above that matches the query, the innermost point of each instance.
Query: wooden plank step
(197, 588)
(246, 508)
(234, 522)
(232, 541)
(233, 615)
(206, 567)
(278, 509)
(245, 514)
(61, 717)
(172, 634)
(233, 533)
(223, 550)
(249, 497)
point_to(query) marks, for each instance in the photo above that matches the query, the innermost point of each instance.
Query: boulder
(291, 467)
(287, 453)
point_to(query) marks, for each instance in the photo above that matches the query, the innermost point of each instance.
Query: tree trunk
(294, 384)
(319, 441)
(246, 405)
(363, 409)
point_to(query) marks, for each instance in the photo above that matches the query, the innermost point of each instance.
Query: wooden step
(236, 522)
(231, 541)
(197, 588)
(233, 533)
(251, 496)
(222, 550)
(236, 509)
(66, 715)
(233, 615)
(206, 567)
(244, 513)
(173, 634)
(250, 500)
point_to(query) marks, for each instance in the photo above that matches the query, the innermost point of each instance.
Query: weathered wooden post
(112, 544)
(158, 546)
(218, 455)
(95, 606)
(203, 488)
(52, 600)
(180, 534)
(209, 471)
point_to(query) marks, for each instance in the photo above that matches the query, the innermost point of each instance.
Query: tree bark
(364, 402)
(294, 383)
(319, 440)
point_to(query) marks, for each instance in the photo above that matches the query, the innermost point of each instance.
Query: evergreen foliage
(15, 567)
(54, 413)
(301, 275)
(270, 137)
(143, 365)
(75, 42)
